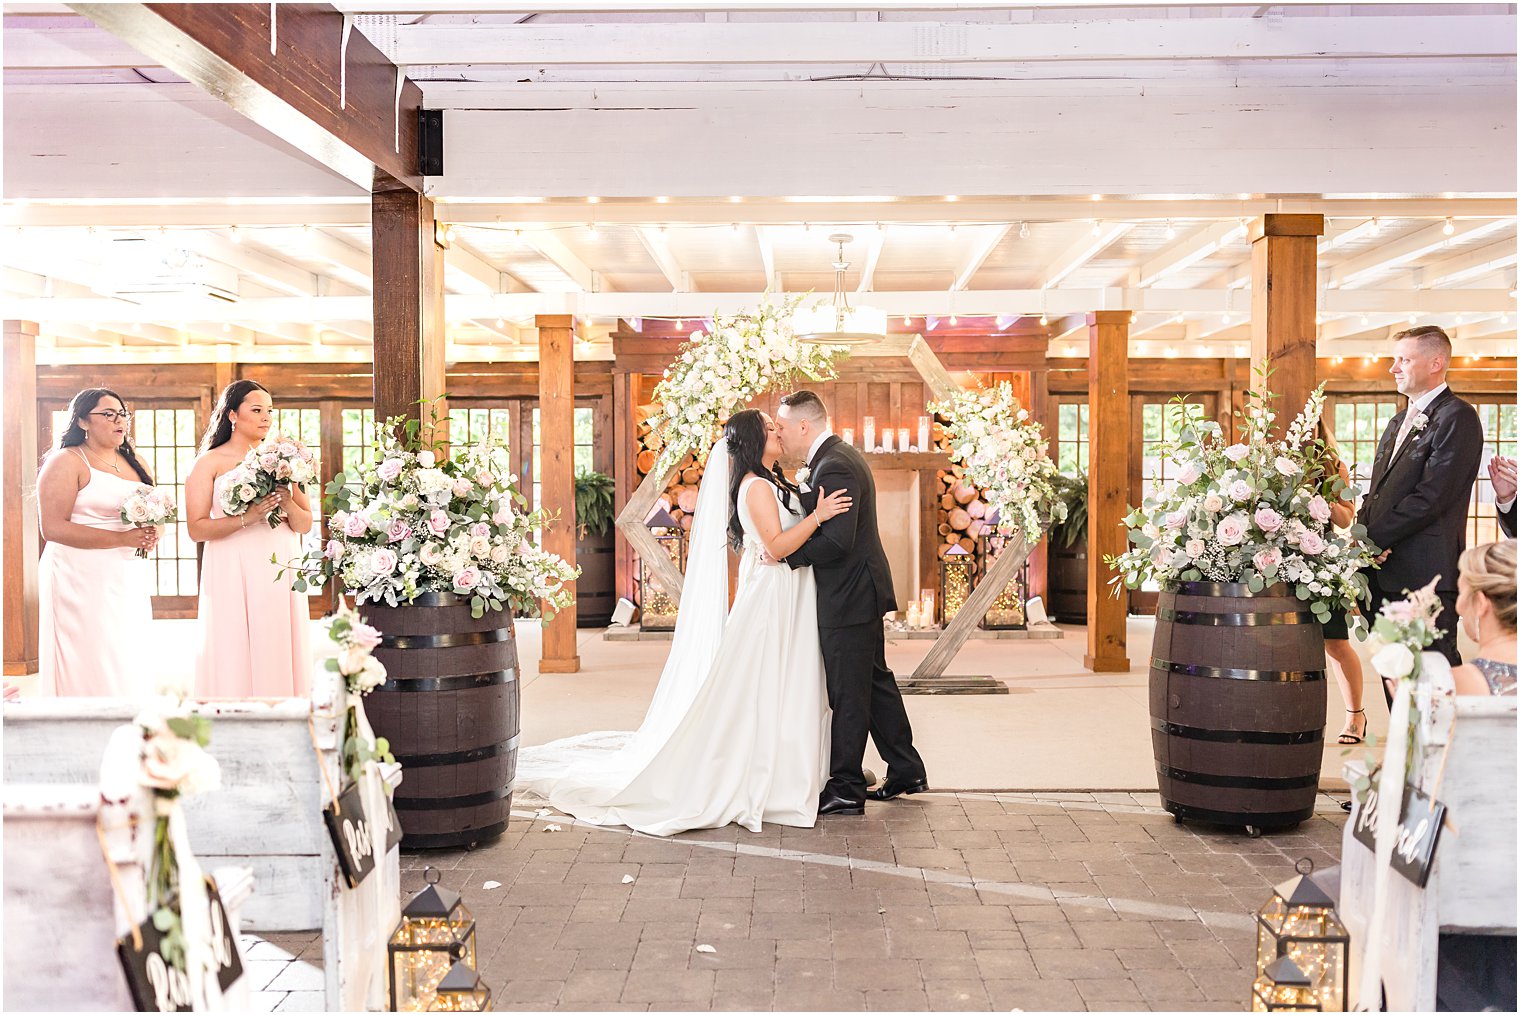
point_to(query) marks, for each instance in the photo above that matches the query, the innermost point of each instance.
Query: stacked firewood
(680, 497)
(962, 511)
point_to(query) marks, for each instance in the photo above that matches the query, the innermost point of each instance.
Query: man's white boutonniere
(1420, 422)
(803, 475)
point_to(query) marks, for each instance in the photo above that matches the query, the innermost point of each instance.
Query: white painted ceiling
(667, 160)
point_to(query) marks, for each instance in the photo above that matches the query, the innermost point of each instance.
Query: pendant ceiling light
(839, 323)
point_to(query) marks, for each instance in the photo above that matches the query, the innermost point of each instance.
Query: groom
(854, 591)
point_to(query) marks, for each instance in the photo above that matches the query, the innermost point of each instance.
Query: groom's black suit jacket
(849, 565)
(1416, 506)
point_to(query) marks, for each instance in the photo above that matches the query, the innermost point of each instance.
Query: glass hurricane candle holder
(868, 433)
(886, 440)
(848, 435)
(923, 434)
(902, 439)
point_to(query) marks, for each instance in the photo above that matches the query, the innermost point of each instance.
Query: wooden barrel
(1067, 583)
(1237, 691)
(450, 710)
(595, 595)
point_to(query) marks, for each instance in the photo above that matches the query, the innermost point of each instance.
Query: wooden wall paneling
(556, 428)
(1110, 433)
(895, 402)
(847, 408)
(1284, 294)
(22, 543)
(408, 304)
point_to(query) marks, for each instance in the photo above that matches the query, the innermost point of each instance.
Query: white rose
(1286, 466)
(1236, 452)
(500, 553)
(1196, 548)
(1394, 661)
(137, 511)
(426, 459)
(351, 661)
(480, 546)
(1213, 503)
(1190, 474)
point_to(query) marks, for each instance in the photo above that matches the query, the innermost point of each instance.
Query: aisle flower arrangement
(355, 642)
(415, 520)
(1403, 629)
(1256, 512)
(718, 372)
(277, 462)
(148, 506)
(1004, 453)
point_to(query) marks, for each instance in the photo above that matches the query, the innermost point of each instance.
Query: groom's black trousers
(864, 696)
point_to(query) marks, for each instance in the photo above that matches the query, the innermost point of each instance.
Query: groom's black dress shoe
(839, 805)
(890, 790)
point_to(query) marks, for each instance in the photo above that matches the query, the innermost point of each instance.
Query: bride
(738, 729)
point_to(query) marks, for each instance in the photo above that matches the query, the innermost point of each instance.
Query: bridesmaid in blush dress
(94, 593)
(253, 628)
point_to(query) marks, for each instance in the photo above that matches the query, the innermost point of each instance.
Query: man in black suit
(1422, 481)
(854, 592)
(1501, 473)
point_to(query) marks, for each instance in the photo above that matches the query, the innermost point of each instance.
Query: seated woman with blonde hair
(1486, 604)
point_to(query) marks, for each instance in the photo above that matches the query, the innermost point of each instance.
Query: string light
(448, 234)
(907, 321)
(953, 321)
(952, 197)
(1171, 230)
(235, 236)
(1449, 227)
(501, 322)
(1044, 319)
(1097, 226)
(680, 324)
(1225, 319)
(1413, 318)
(1365, 322)
(736, 227)
(1023, 230)
(591, 232)
(1377, 226)
(592, 200)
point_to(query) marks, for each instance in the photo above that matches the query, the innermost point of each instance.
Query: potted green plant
(595, 591)
(1067, 585)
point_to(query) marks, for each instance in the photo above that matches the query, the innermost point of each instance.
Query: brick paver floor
(955, 901)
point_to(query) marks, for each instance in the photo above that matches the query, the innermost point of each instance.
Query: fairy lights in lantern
(1007, 610)
(957, 573)
(436, 934)
(461, 990)
(659, 609)
(1299, 922)
(1282, 986)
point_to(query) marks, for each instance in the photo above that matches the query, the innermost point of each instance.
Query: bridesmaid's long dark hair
(747, 436)
(81, 406)
(219, 431)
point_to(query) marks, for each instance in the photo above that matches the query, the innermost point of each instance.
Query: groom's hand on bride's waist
(766, 558)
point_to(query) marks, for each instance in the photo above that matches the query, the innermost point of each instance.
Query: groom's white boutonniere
(803, 475)
(1420, 422)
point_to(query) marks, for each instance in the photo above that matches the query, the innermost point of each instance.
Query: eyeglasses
(111, 415)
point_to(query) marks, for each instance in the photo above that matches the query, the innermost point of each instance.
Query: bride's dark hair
(747, 436)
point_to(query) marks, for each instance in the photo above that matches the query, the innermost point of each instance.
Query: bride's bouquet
(148, 505)
(1255, 512)
(277, 462)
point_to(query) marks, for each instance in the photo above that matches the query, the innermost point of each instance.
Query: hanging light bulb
(501, 322)
(591, 232)
(1450, 227)
(1171, 230)
(907, 321)
(1023, 230)
(1413, 318)
(1226, 318)
(953, 321)
(236, 236)
(680, 324)
(1044, 319)
(1377, 226)
(1364, 320)
(448, 234)
(1097, 226)
(736, 227)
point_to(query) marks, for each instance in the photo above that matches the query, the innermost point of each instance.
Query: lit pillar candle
(848, 435)
(886, 439)
(902, 439)
(923, 433)
(868, 433)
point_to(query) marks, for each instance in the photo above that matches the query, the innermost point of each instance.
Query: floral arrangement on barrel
(149, 506)
(278, 461)
(417, 519)
(1256, 512)
(720, 371)
(1004, 453)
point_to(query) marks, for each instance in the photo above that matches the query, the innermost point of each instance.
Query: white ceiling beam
(546, 44)
(1083, 250)
(1223, 324)
(270, 271)
(468, 271)
(1336, 237)
(657, 244)
(986, 243)
(1188, 251)
(348, 264)
(1496, 326)
(562, 257)
(1410, 247)
(1359, 326)
(875, 241)
(1468, 265)
(768, 259)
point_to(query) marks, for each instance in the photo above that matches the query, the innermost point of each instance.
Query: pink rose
(430, 554)
(1236, 452)
(1176, 519)
(1240, 490)
(389, 469)
(462, 487)
(1312, 544)
(1213, 503)
(1190, 474)
(355, 526)
(1319, 509)
(398, 531)
(467, 578)
(365, 636)
(383, 562)
(1268, 520)
(438, 522)
(1231, 530)
(480, 529)
(485, 479)
(503, 513)
(1401, 611)
(334, 550)
(1286, 466)
(1267, 560)
(1196, 548)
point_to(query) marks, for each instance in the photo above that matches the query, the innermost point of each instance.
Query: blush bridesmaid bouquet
(277, 462)
(148, 506)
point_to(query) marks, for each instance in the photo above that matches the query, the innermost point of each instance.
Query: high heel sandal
(1349, 738)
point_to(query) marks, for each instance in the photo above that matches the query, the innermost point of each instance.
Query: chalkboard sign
(352, 835)
(1414, 846)
(158, 986)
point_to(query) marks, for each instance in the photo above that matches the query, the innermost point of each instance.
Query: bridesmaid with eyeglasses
(94, 593)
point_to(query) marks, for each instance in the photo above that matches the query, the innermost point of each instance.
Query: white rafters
(1487, 327)
(269, 271)
(1351, 326)
(1188, 251)
(1085, 249)
(553, 248)
(468, 271)
(657, 244)
(1401, 251)
(1469, 264)
(985, 244)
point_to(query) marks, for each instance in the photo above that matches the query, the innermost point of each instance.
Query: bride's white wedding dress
(738, 728)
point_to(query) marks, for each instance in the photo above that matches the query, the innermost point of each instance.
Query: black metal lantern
(436, 932)
(659, 610)
(461, 989)
(1299, 922)
(1282, 986)
(957, 577)
(1007, 610)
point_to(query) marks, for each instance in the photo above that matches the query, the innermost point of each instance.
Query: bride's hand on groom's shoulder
(831, 505)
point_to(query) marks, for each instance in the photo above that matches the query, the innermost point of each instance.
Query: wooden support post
(623, 475)
(19, 381)
(556, 429)
(408, 301)
(1107, 486)
(1284, 291)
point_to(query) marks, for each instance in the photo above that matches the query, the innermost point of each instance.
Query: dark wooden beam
(556, 429)
(19, 381)
(285, 67)
(409, 326)
(1284, 293)
(1107, 486)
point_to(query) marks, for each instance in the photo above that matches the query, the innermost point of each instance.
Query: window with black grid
(358, 435)
(1071, 443)
(1358, 425)
(1499, 426)
(165, 442)
(473, 424)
